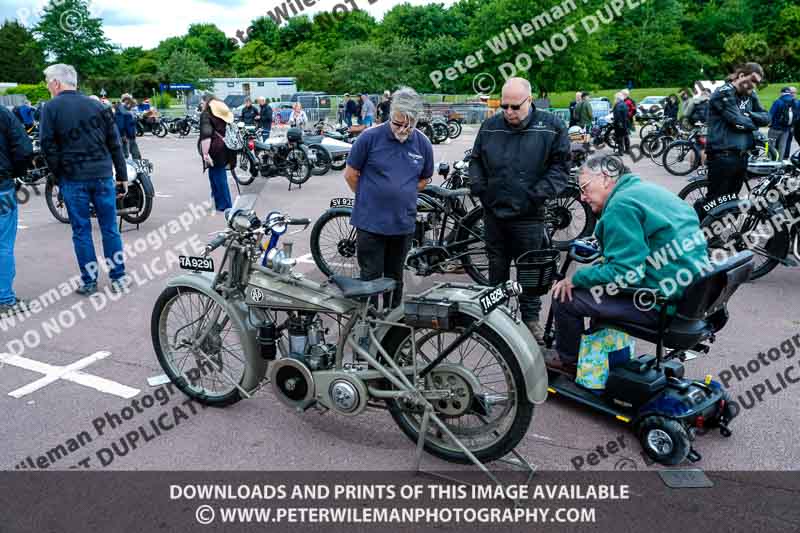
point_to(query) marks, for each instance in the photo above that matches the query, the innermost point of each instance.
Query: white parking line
(71, 373)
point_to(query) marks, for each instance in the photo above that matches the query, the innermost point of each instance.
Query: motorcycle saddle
(355, 288)
(313, 139)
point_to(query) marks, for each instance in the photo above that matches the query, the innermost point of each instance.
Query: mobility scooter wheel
(666, 441)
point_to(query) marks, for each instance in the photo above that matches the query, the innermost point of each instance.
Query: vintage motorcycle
(458, 372)
(134, 208)
(277, 156)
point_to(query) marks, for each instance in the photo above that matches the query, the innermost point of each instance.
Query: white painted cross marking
(71, 373)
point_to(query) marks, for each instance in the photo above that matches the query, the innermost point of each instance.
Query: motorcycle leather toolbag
(433, 314)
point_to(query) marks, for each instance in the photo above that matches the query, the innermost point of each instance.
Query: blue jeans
(218, 177)
(8, 236)
(348, 119)
(265, 134)
(367, 121)
(103, 195)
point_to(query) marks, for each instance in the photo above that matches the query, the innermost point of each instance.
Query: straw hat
(220, 110)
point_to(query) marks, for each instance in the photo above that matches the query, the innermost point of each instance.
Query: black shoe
(120, 285)
(86, 290)
(20, 306)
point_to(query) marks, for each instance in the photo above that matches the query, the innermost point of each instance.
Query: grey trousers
(569, 318)
(130, 148)
(779, 139)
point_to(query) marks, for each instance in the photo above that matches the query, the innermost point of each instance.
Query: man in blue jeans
(80, 140)
(15, 152)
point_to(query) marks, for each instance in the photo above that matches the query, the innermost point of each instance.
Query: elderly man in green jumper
(649, 238)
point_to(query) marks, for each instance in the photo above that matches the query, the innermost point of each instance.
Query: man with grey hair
(387, 166)
(520, 160)
(637, 222)
(80, 141)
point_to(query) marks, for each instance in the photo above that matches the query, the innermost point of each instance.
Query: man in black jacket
(264, 118)
(15, 153)
(734, 114)
(249, 113)
(80, 140)
(520, 159)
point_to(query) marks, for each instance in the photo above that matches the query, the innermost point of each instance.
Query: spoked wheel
(333, 245)
(681, 158)
(322, 159)
(488, 409)
(454, 128)
(198, 346)
(648, 129)
(55, 202)
(440, 132)
(657, 147)
(160, 130)
(733, 231)
(473, 253)
(570, 219)
(298, 167)
(143, 203)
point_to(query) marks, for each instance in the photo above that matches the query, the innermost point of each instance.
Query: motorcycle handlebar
(299, 222)
(218, 241)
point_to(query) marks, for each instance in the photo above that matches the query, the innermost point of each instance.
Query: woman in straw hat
(216, 156)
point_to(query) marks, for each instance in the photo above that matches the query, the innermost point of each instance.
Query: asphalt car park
(79, 380)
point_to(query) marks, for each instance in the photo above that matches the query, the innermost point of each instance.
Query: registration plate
(492, 299)
(343, 202)
(198, 264)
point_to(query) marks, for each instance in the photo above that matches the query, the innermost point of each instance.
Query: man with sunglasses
(734, 114)
(520, 159)
(387, 166)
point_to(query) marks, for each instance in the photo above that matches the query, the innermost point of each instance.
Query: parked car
(651, 103)
(281, 111)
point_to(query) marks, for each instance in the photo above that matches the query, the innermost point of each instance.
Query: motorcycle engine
(307, 343)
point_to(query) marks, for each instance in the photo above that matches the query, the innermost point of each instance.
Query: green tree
(294, 32)
(21, 56)
(740, 48)
(263, 29)
(211, 44)
(184, 66)
(251, 55)
(71, 35)
(373, 68)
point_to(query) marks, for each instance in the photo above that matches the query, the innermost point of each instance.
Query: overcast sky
(146, 22)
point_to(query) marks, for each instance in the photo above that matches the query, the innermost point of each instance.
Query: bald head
(516, 94)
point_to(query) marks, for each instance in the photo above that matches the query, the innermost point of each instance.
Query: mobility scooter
(650, 393)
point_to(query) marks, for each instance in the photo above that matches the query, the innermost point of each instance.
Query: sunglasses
(513, 107)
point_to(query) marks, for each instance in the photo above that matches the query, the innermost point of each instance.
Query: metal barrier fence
(11, 100)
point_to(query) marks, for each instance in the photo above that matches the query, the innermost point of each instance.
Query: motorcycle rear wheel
(497, 413)
(138, 197)
(298, 167)
(322, 161)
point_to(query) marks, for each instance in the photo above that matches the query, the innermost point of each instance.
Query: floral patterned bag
(601, 350)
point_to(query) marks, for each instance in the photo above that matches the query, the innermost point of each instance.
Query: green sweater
(649, 238)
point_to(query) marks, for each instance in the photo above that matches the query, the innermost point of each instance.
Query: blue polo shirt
(386, 195)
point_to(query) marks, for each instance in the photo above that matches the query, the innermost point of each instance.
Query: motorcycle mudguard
(147, 183)
(517, 335)
(256, 366)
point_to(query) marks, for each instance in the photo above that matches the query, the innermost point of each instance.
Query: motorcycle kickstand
(520, 461)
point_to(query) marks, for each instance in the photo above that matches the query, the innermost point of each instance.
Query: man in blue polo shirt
(387, 166)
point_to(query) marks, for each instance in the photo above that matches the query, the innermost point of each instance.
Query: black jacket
(15, 149)
(515, 170)
(249, 115)
(621, 116)
(265, 119)
(80, 139)
(732, 119)
(670, 109)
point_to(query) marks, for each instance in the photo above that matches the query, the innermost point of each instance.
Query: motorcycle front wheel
(136, 197)
(333, 245)
(298, 167)
(473, 253)
(681, 158)
(490, 412)
(55, 202)
(322, 160)
(210, 371)
(160, 130)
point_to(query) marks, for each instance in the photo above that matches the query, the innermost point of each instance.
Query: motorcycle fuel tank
(291, 292)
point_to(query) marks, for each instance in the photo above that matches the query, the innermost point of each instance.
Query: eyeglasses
(585, 184)
(400, 126)
(514, 107)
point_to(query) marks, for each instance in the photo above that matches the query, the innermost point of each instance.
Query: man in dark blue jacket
(350, 110)
(781, 122)
(80, 140)
(15, 152)
(126, 127)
